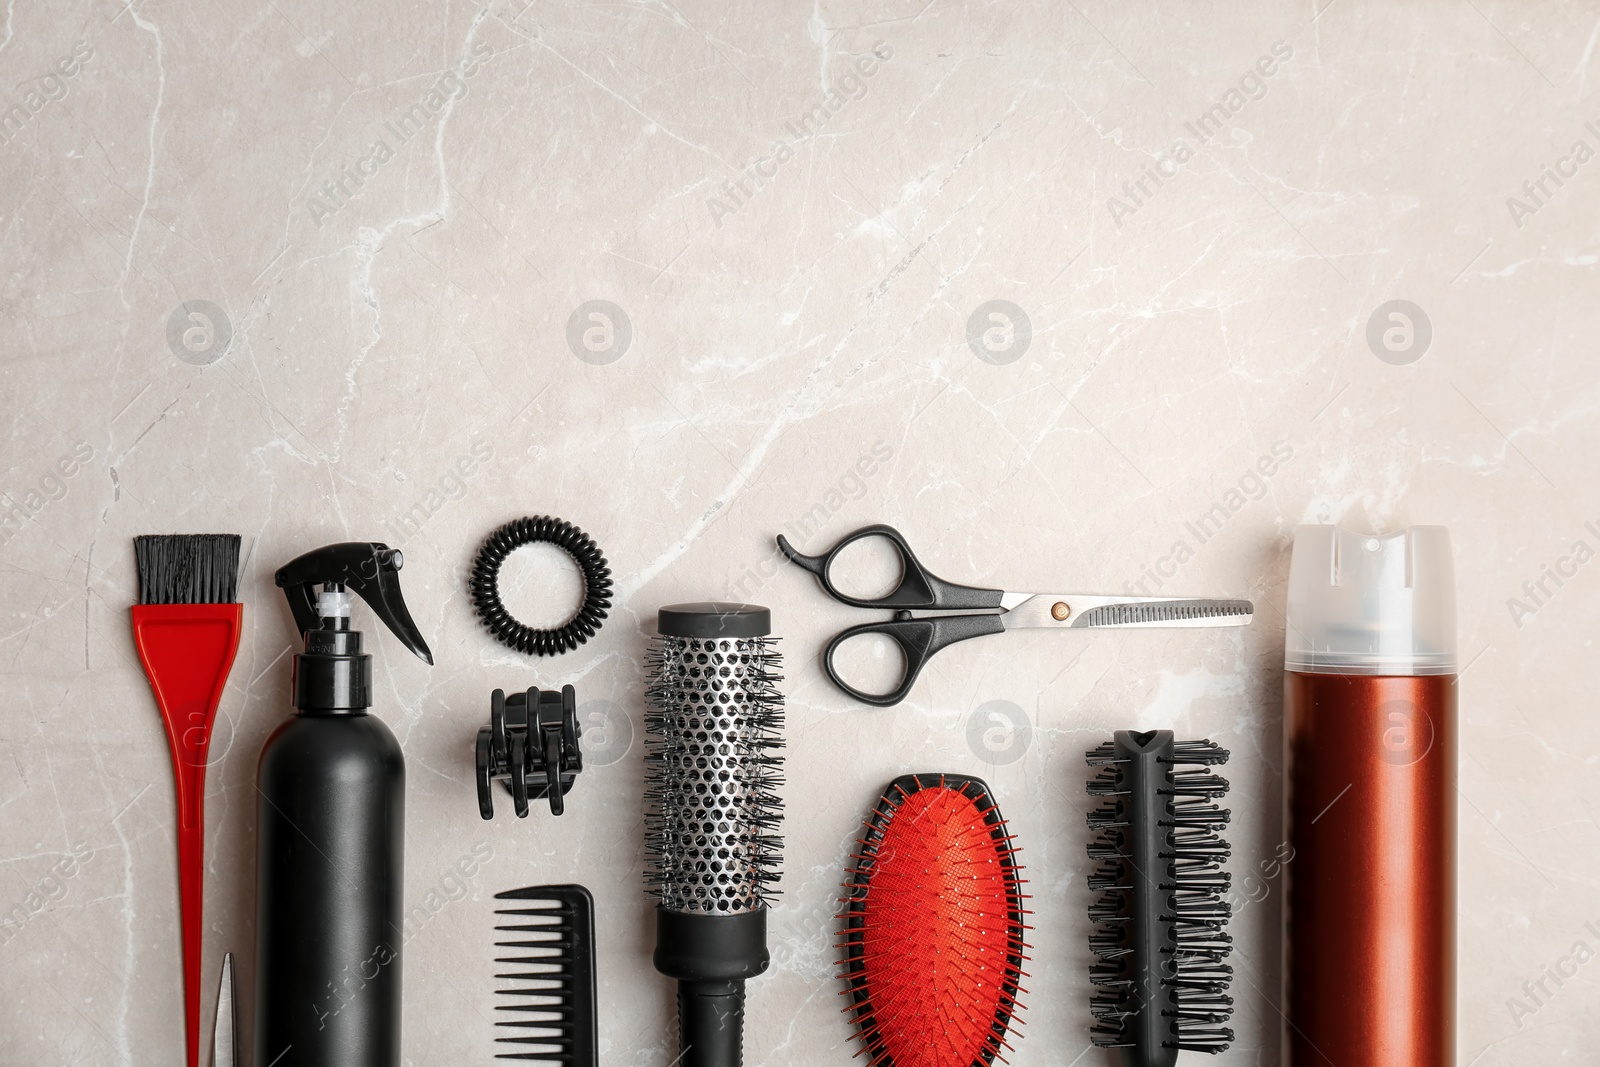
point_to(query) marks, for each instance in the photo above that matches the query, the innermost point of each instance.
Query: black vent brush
(554, 1016)
(1160, 939)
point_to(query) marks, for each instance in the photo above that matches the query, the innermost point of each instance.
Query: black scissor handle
(918, 587)
(918, 639)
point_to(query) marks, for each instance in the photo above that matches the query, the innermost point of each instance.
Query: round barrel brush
(1160, 940)
(712, 813)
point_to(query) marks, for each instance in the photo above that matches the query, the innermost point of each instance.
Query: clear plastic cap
(1364, 604)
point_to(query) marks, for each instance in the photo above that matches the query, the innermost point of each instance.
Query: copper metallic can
(1372, 885)
(1370, 728)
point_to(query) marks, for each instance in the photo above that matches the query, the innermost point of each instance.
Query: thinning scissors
(919, 637)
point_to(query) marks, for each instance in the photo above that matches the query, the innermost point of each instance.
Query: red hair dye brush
(186, 628)
(1160, 940)
(933, 942)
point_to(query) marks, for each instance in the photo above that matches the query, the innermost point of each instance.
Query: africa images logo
(1541, 190)
(348, 182)
(1252, 86)
(45, 90)
(851, 85)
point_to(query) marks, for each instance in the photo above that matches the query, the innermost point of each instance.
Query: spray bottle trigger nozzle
(370, 569)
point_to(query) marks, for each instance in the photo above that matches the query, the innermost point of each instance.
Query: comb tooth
(542, 934)
(552, 959)
(551, 976)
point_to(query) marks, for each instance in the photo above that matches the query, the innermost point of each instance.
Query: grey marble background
(290, 268)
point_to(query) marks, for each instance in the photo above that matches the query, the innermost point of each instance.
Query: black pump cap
(714, 618)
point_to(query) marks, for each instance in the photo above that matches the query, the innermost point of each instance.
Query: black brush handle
(711, 956)
(711, 1022)
(1149, 759)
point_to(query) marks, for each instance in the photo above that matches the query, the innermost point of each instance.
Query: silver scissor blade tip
(1168, 613)
(224, 1037)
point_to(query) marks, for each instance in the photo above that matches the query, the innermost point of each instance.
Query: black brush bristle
(554, 1018)
(188, 568)
(1161, 938)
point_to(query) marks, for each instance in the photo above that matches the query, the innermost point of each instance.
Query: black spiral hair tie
(575, 543)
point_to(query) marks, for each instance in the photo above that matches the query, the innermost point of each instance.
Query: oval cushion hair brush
(1160, 941)
(186, 629)
(711, 813)
(933, 940)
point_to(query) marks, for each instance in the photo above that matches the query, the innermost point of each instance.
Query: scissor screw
(1059, 611)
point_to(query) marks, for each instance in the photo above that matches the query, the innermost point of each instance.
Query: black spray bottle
(330, 829)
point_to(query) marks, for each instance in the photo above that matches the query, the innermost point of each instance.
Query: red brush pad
(939, 932)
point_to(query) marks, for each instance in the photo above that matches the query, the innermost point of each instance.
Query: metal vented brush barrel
(712, 813)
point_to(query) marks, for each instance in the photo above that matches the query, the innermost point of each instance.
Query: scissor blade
(225, 1038)
(1134, 614)
(1084, 611)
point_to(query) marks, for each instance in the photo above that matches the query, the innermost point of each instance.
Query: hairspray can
(1370, 791)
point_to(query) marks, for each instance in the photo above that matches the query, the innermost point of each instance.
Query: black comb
(555, 976)
(1160, 940)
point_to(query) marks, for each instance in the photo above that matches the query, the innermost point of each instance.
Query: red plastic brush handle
(187, 651)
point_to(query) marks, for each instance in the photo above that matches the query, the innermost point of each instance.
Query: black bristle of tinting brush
(188, 568)
(1160, 940)
(555, 1019)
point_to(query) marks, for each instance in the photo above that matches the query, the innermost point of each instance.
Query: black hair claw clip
(531, 747)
